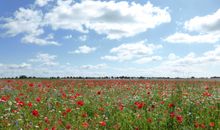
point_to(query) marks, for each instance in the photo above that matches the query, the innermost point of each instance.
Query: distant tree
(23, 77)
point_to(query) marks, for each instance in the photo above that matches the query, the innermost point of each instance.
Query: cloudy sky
(97, 38)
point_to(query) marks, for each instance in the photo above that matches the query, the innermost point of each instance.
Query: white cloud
(98, 66)
(45, 59)
(42, 3)
(208, 23)
(29, 23)
(83, 49)
(191, 39)
(15, 66)
(31, 39)
(148, 59)
(68, 36)
(138, 51)
(83, 38)
(191, 64)
(26, 21)
(114, 19)
(207, 29)
(172, 56)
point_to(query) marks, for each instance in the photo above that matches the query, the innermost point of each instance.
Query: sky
(155, 38)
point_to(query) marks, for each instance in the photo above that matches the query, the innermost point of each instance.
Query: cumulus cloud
(31, 39)
(208, 23)
(148, 59)
(191, 39)
(15, 66)
(26, 21)
(98, 66)
(83, 49)
(191, 64)
(207, 29)
(29, 23)
(139, 51)
(42, 3)
(114, 19)
(68, 36)
(45, 59)
(83, 38)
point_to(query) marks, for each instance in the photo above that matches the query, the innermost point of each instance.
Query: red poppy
(35, 112)
(46, 120)
(196, 125)
(99, 92)
(179, 118)
(68, 110)
(102, 123)
(4, 99)
(171, 105)
(202, 125)
(38, 99)
(172, 114)
(139, 105)
(84, 115)
(80, 103)
(85, 124)
(20, 103)
(68, 126)
(212, 124)
(149, 120)
(30, 104)
(31, 85)
(207, 94)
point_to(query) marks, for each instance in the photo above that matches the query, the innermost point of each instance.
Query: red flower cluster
(139, 104)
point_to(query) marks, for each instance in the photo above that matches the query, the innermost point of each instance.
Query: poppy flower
(20, 103)
(85, 124)
(102, 123)
(179, 118)
(3, 99)
(207, 94)
(202, 125)
(35, 112)
(149, 120)
(171, 105)
(80, 103)
(30, 104)
(212, 124)
(38, 99)
(139, 105)
(84, 115)
(68, 110)
(68, 126)
(31, 85)
(172, 114)
(99, 92)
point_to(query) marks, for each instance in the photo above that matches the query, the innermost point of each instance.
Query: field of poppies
(109, 104)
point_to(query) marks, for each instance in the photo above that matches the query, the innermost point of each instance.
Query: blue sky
(110, 38)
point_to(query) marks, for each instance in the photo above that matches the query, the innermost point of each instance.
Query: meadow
(109, 104)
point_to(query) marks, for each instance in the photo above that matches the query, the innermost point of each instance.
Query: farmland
(109, 104)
